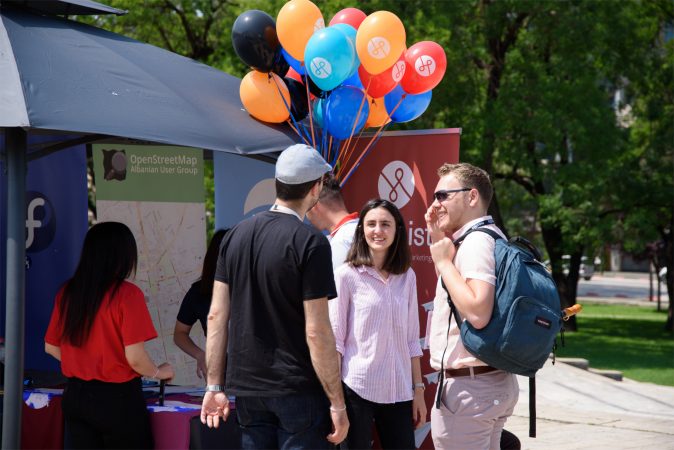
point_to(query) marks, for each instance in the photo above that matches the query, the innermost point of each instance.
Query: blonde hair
(470, 176)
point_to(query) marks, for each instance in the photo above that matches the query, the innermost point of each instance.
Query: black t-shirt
(272, 263)
(195, 307)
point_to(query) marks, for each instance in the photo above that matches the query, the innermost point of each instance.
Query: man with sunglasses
(473, 399)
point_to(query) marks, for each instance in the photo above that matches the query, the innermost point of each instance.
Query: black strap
(532, 407)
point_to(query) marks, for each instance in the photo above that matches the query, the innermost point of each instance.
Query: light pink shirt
(474, 260)
(376, 326)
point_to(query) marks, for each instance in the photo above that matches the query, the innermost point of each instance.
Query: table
(174, 426)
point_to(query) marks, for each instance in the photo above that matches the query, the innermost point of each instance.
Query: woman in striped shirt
(375, 319)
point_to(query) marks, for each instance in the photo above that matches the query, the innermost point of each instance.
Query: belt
(466, 371)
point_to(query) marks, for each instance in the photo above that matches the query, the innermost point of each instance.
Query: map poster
(158, 192)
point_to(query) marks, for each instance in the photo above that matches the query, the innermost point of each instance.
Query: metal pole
(16, 144)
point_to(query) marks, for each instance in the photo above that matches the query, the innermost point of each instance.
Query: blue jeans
(299, 421)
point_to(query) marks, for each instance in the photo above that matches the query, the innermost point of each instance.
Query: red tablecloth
(42, 428)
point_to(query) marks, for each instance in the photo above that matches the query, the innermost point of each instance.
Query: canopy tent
(69, 78)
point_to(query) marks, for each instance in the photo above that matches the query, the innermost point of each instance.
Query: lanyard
(482, 223)
(284, 210)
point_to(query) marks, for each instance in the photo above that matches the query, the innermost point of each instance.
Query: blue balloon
(354, 80)
(409, 106)
(319, 106)
(328, 58)
(351, 34)
(295, 64)
(341, 111)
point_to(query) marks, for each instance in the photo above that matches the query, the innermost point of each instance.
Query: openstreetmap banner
(158, 192)
(402, 168)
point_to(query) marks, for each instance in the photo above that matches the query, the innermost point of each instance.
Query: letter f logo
(31, 222)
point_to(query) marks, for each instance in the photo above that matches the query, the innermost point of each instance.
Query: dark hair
(398, 258)
(331, 193)
(109, 256)
(289, 192)
(211, 262)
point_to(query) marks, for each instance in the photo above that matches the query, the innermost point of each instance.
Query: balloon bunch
(330, 83)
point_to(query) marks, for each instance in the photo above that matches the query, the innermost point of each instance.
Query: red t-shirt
(120, 321)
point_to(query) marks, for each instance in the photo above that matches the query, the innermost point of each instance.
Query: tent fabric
(77, 78)
(66, 7)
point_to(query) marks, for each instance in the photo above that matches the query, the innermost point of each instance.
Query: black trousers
(106, 415)
(393, 422)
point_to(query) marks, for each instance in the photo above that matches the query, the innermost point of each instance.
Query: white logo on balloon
(319, 25)
(320, 67)
(398, 71)
(425, 65)
(379, 47)
(396, 183)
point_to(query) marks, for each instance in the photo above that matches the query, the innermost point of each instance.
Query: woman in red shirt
(97, 330)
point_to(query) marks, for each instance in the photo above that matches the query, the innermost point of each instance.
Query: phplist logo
(40, 222)
(396, 183)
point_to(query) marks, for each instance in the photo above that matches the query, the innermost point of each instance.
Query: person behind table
(269, 316)
(375, 318)
(195, 305)
(97, 330)
(330, 214)
(475, 399)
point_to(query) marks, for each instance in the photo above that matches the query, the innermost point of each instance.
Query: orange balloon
(295, 23)
(378, 114)
(380, 41)
(261, 98)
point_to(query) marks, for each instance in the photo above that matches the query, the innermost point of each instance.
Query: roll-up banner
(158, 192)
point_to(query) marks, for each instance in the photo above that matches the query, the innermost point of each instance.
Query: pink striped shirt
(376, 326)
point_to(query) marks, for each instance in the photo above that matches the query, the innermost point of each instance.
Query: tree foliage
(568, 105)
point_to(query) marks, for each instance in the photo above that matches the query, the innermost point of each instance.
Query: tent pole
(16, 144)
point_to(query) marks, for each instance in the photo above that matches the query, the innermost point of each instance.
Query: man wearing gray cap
(270, 312)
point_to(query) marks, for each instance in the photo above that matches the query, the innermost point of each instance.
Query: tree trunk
(669, 262)
(566, 285)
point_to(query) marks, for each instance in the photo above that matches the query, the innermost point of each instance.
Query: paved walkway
(578, 409)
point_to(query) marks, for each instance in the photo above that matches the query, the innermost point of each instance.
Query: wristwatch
(420, 386)
(215, 388)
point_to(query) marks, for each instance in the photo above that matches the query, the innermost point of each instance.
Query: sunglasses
(442, 194)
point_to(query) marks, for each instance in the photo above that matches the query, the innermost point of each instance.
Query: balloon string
(290, 113)
(355, 143)
(355, 122)
(295, 130)
(311, 119)
(369, 145)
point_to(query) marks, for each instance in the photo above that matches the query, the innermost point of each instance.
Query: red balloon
(381, 84)
(292, 73)
(349, 16)
(426, 65)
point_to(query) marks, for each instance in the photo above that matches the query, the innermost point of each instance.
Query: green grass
(626, 338)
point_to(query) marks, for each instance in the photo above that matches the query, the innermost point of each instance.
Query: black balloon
(318, 92)
(299, 107)
(255, 40)
(281, 66)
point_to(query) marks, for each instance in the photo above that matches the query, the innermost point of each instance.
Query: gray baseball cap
(299, 164)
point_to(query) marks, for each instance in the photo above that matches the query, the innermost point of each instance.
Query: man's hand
(340, 426)
(443, 251)
(214, 406)
(432, 225)
(418, 408)
(201, 365)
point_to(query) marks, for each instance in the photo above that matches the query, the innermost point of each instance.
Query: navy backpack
(526, 318)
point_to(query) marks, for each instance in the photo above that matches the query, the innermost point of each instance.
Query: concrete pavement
(577, 409)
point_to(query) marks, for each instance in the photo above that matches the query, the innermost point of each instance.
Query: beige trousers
(473, 411)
